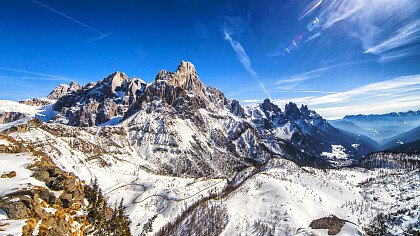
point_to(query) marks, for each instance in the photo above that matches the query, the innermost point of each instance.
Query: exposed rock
(58, 183)
(35, 102)
(236, 109)
(41, 175)
(181, 90)
(11, 174)
(64, 89)
(57, 226)
(66, 200)
(98, 102)
(332, 223)
(291, 110)
(7, 117)
(21, 207)
(46, 195)
(54, 171)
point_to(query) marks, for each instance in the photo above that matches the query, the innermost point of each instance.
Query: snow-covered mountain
(188, 161)
(404, 138)
(182, 121)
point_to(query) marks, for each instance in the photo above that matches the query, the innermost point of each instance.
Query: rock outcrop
(35, 102)
(97, 103)
(7, 117)
(55, 213)
(64, 89)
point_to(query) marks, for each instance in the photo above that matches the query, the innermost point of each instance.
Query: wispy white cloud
(396, 94)
(298, 78)
(401, 53)
(31, 78)
(292, 83)
(42, 75)
(312, 37)
(404, 36)
(381, 25)
(101, 35)
(245, 61)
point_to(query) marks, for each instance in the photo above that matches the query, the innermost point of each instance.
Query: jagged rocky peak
(185, 77)
(182, 90)
(115, 80)
(134, 87)
(99, 102)
(271, 111)
(186, 67)
(236, 108)
(64, 89)
(304, 110)
(268, 107)
(292, 110)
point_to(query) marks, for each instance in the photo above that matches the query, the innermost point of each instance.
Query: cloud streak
(298, 78)
(404, 36)
(380, 25)
(245, 61)
(102, 35)
(43, 76)
(401, 93)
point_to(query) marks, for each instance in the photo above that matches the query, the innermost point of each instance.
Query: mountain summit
(195, 130)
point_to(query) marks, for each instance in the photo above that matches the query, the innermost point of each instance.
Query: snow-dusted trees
(391, 160)
(208, 218)
(104, 220)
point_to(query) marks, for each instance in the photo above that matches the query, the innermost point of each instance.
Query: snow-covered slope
(279, 197)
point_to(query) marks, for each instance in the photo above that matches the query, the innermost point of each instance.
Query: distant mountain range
(407, 142)
(388, 130)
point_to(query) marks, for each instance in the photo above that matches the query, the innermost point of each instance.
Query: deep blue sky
(236, 46)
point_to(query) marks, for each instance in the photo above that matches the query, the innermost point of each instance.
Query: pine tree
(118, 225)
(123, 221)
(97, 204)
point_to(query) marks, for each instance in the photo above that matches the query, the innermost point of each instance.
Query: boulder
(11, 174)
(7, 117)
(18, 209)
(58, 183)
(66, 200)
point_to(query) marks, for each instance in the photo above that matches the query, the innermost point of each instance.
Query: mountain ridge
(177, 115)
(379, 127)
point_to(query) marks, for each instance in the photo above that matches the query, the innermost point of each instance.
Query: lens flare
(313, 24)
(309, 9)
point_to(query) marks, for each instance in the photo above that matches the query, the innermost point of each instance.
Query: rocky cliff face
(97, 103)
(64, 89)
(182, 127)
(181, 90)
(35, 102)
(304, 136)
(7, 117)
